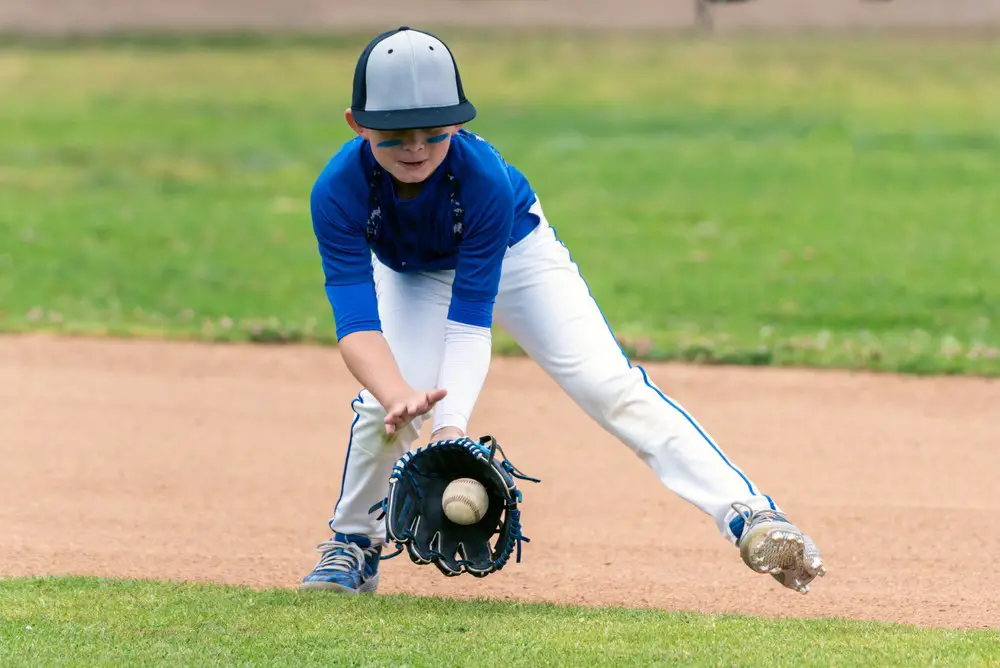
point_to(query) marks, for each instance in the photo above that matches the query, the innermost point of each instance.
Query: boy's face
(411, 156)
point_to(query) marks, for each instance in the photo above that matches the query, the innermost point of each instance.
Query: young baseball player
(427, 236)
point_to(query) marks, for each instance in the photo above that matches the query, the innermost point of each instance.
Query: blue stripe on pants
(347, 457)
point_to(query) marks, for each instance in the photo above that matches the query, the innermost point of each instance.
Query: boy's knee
(366, 404)
(370, 423)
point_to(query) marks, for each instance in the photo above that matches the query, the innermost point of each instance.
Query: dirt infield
(94, 16)
(221, 463)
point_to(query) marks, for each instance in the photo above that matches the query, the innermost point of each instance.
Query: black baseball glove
(415, 519)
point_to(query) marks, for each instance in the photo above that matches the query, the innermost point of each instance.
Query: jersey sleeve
(347, 265)
(480, 255)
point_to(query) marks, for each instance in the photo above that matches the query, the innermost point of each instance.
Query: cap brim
(408, 119)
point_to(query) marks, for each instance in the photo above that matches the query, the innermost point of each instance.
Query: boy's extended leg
(413, 309)
(546, 306)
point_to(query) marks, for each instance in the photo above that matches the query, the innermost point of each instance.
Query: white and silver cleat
(771, 544)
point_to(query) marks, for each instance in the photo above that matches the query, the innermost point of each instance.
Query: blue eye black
(390, 143)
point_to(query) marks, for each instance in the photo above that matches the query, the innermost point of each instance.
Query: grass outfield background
(821, 202)
(147, 623)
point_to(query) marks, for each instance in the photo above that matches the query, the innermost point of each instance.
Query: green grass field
(103, 623)
(822, 202)
(813, 202)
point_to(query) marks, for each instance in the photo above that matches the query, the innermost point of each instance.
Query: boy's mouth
(412, 164)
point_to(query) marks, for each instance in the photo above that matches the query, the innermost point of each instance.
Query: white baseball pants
(546, 306)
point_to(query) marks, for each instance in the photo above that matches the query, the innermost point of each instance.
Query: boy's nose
(412, 141)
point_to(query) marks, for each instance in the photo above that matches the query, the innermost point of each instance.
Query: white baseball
(465, 501)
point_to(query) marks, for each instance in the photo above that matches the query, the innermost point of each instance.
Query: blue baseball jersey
(468, 213)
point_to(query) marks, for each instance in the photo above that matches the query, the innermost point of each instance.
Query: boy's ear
(349, 117)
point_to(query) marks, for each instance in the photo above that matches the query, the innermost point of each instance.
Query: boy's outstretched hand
(401, 412)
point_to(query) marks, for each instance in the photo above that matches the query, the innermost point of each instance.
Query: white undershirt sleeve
(464, 365)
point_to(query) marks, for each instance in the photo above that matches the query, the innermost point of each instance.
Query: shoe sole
(772, 548)
(369, 586)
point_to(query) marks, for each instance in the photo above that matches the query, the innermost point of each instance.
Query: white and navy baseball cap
(408, 79)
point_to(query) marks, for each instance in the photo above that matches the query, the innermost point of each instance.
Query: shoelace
(340, 556)
(750, 516)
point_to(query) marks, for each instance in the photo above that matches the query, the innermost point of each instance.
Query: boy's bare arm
(370, 360)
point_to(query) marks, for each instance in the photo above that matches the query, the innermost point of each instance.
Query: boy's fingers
(408, 410)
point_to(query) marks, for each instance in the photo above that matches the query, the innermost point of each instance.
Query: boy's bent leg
(413, 310)
(547, 307)
(349, 559)
(369, 461)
